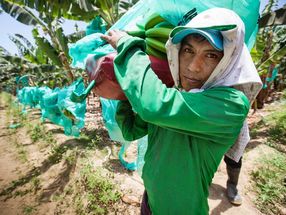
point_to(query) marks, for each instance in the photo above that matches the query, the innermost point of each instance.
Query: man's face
(197, 60)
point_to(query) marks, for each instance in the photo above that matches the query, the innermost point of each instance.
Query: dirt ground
(29, 179)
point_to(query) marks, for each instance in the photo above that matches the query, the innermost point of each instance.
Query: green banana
(153, 20)
(162, 39)
(140, 25)
(164, 25)
(138, 33)
(156, 44)
(153, 52)
(158, 32)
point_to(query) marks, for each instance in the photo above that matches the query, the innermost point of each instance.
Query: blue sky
(10, 26)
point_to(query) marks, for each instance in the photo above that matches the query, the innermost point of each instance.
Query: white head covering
(236, 68)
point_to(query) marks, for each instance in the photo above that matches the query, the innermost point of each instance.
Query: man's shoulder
(227, 93)
(224, 90)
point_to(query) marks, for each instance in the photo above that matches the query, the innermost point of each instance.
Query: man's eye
(188, 50)
(211, 55)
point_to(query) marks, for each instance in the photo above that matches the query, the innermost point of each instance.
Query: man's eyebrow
(212, 50)
(186, 43)
(208, 50)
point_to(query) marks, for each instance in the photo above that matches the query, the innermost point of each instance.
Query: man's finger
(111, 32)
(105, 37)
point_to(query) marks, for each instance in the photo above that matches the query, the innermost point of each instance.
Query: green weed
(270, 181)
(276, 123)
(35, 184)
(28, 209)
(36, 133)
(15, 115)
(21, 192)
(100, 193)
(22, 153)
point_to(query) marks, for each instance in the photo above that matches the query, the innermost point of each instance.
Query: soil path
(32, 197)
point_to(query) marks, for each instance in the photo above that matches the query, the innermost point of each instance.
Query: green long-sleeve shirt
(188, 133)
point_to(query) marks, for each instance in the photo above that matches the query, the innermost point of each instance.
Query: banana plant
(50, 13)
(56, 48)
(84, 10)
(45, 74)
(268, 51)
(277, 17)
(26, 49)
(270, 47)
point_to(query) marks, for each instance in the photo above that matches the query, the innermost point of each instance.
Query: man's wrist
(122, 40)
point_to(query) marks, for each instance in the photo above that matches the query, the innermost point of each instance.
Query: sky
(9, 26)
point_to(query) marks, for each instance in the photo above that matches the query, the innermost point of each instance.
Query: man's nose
(195, 64)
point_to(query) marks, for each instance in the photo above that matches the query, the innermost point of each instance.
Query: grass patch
(276, 123)
(28, 209)
(22, 153)
(36, 133)
(15, 119)
(15, 113)
(98, 194)
(270, 181)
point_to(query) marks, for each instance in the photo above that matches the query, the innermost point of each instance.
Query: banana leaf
(21, 14)
(50, 51)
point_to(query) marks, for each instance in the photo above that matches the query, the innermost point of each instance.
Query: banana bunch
(156, 33)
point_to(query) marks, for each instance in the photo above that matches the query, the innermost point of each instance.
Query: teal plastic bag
(90, 45)
(57, 106)
(73, 113)
(108, 113)
(174, 10)
(97, 25)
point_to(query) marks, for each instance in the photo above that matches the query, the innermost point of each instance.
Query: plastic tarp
(174, 11)
(56, 105)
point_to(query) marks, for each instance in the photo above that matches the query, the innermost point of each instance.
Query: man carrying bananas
(192, 125)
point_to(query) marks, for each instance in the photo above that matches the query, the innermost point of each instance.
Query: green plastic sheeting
(57, 106)
(97, 25)
(114, 132)
(174, 10)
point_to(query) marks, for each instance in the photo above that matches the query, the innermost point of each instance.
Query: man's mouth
(192, 80)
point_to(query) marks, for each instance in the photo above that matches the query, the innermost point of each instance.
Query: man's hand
(113, 37)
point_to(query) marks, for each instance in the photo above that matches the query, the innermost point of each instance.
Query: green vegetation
(22, 153)
(270, 176)
(28, 209)
(48, 61)
(98, 191)
(273, 126)
(270, 181)
(36, 133)
(14, 120)
(277, 125)
(15, 113)
(35, 184)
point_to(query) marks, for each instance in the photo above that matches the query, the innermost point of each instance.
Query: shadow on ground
(217, 192)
